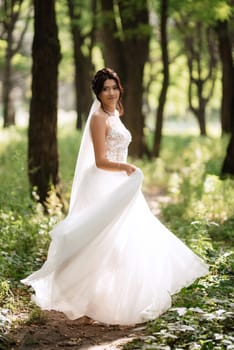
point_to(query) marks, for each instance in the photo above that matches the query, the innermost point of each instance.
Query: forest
(175, 60)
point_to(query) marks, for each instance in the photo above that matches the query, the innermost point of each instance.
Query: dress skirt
(111, 259)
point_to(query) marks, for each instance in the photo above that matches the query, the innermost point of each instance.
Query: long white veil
(85, 158)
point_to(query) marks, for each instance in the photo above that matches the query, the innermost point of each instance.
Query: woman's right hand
(129, 168)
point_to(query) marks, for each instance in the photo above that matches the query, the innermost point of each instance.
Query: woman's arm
(98, 131)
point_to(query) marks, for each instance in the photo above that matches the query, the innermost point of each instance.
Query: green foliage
(200, 212)
(207, 11)
(36, 316)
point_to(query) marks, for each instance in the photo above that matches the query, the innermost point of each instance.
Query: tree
(83, 41)
(111, 39)
(225, 51)
(43, 163)
(200, 50)
(228, 163)
(215, 14)
(227, 104)
(125, 33)
(164, 4)
(10, 11)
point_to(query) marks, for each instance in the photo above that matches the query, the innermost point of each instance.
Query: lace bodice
(117, 140)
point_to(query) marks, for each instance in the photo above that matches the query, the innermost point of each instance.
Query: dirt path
(55, 331)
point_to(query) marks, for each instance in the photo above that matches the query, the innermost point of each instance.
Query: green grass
(200, 212)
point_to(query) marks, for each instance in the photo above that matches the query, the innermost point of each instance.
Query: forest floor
(55, 331)
(52, 330)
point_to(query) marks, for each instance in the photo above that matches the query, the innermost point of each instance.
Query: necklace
(108, 113)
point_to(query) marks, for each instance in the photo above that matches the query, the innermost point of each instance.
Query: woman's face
(110, 93)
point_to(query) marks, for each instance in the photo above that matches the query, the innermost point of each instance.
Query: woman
(110, 258)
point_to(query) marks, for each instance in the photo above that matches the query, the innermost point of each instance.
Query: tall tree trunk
(113, 46)
(43, 163)
(225, 51)
(82, 62)
(8, 106)
(10, 11)
(200, 110)
(228, 164)
(163, 94)
(125, 49)
(201, 120)
(133, 116)
(136, 52)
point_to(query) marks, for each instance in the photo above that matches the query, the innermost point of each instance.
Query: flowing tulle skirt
(111, 259)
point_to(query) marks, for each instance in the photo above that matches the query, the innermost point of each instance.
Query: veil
(85, 158)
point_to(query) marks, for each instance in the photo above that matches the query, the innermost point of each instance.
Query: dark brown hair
(98, 82)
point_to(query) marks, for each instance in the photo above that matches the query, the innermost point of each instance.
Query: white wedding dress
(111, 259)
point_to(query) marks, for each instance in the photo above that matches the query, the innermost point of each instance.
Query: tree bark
(225, 51)
(136, 52)
(227, 107)
(133, 116)
(200, 110)
(125, 49)
(165, 60)
(113, 45)
(10, 13)
(43, 163)
(228, 163)
(8, 106)
(83, 63)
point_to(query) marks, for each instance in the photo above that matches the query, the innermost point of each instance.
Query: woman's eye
(110, 88)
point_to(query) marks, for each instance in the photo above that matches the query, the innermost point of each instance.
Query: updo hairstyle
(98, 82)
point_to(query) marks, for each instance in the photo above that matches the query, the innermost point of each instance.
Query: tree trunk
(113, 46)
(201, 110)
(225, 51)
(133, 116)
(162, 97)
(8, 106)
(83, 64)
(43, 160)
(228, 164)
(136, 52)
(10, 11)
(201, 121)
(125, 50)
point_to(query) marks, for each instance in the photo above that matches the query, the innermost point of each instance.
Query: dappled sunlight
(218, 197)
(10, 136)
(66, 119)
(190, 127)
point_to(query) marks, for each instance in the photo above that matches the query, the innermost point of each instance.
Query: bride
(111, 259)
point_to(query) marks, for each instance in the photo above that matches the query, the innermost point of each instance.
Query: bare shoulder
(98, 119)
